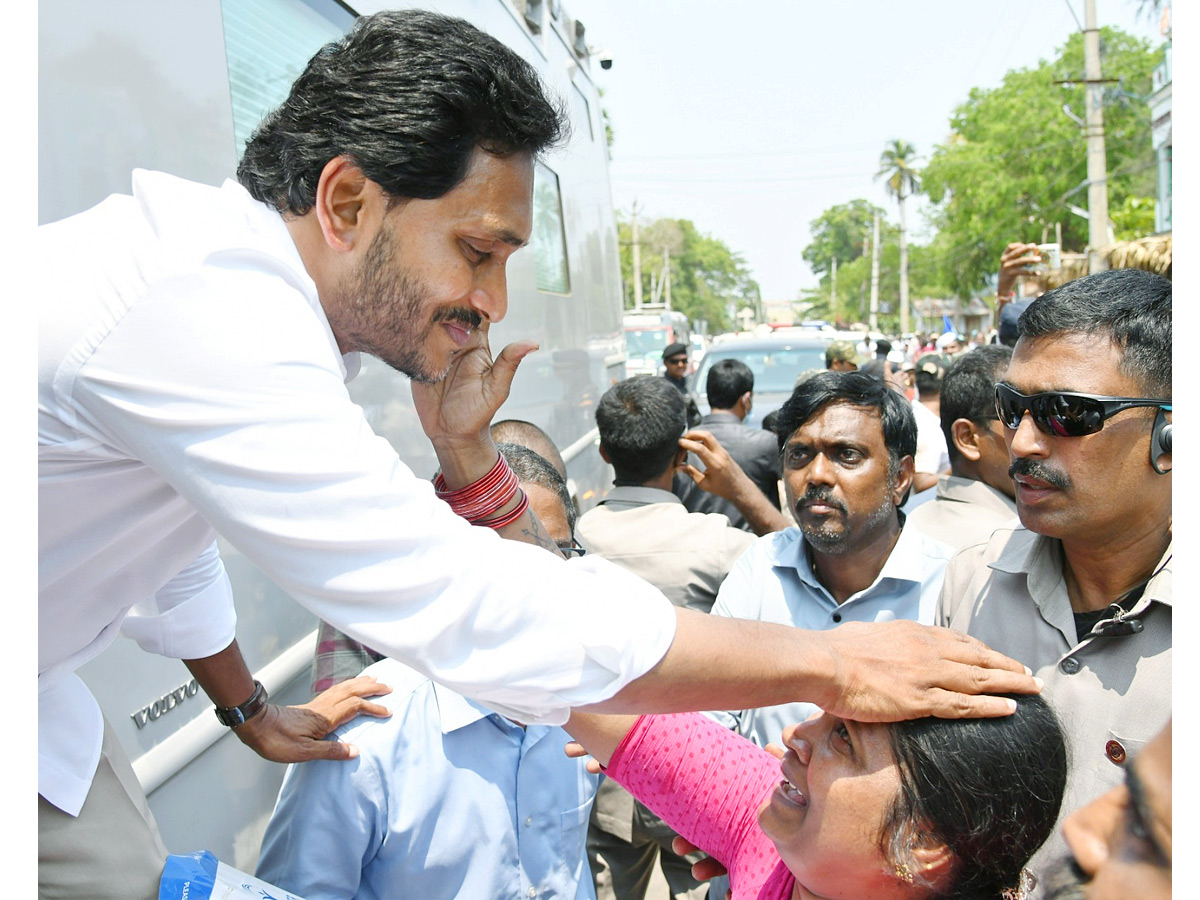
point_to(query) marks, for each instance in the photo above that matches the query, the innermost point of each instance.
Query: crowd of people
(912, 642)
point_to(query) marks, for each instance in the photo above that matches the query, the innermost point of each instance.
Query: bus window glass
(549, 240)
(267, 44)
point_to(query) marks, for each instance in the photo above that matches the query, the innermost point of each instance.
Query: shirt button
(1115, 752)
(1070, 665)
(528, 822)
(532, 892)
(837, 617)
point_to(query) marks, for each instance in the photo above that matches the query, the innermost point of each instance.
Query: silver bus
(178, 85)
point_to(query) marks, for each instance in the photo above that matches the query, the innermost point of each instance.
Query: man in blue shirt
(446, 798)
(847, 442)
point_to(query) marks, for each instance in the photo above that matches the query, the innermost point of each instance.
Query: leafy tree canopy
(709, 281)
(839, 232)
(1015, 161)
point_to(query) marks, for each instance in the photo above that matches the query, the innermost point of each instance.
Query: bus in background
(648, 333)
(178, 86)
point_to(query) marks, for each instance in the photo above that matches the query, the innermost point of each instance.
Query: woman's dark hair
(408, 95)
(989, 789)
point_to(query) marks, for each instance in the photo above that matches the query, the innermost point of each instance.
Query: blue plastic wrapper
(201, 876)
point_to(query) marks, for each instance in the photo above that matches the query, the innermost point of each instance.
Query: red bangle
(483, 497)
(507, 518)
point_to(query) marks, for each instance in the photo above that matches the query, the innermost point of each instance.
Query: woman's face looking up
(826, 814)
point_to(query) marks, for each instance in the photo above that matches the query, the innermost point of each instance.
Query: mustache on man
(817, 493)
(1032, 468)
(460, 314)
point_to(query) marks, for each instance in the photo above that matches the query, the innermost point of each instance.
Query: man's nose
(1027, 439)
(820, 470)
(489, 296)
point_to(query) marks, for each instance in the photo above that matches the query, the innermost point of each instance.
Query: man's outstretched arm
(870, 672)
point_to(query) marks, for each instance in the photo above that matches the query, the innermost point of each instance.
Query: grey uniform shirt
(649, 532)
(963, 513)
(1112, 690)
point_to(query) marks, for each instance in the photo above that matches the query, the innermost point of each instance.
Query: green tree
(838, 234)
(1016, 163)
(903, 180)
(709, 281)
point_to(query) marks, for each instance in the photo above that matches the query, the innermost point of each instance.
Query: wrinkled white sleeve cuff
(191, 616)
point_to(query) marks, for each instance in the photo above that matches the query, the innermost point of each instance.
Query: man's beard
(831, 542)
(386, 304)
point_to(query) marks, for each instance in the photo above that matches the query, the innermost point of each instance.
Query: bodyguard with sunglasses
(1081, 591)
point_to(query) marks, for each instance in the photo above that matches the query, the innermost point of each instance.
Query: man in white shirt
(932, 458)
(194, 348)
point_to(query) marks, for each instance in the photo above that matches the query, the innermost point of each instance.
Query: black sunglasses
(1063, 414)
(676, 360)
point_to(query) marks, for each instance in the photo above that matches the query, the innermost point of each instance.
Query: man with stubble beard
(847, 442)
(1081, 591)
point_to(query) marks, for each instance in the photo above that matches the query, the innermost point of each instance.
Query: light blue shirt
(446, 799)
(773, 581)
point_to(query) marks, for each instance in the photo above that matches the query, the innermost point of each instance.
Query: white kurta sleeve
(227, 385)
(190, 617)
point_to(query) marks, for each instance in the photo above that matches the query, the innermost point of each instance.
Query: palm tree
(896, 162)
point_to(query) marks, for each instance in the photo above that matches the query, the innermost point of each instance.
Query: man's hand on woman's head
(888, 671)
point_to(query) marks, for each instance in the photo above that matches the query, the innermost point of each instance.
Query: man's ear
(604, 455)
(966, 439)
(349, 206)
(904, 479)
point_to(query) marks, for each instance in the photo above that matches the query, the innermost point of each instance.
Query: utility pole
(667, 276)
(1097, 165)
(873, 321)
(833, 290)
(637, 263)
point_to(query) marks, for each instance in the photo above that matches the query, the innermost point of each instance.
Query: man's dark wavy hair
(408, 95)
(1130, 306)
(858, 388)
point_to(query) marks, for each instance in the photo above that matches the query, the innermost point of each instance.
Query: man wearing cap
(675, 358)
(1080, 591)
(949, 345)
(840, 356)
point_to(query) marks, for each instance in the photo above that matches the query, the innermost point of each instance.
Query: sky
(751, 119)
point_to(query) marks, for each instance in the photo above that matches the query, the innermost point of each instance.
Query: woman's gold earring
(904, 873)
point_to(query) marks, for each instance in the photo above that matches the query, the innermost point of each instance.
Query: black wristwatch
(238, 715)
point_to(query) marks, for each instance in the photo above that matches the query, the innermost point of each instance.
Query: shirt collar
(265, 226)
(637, 495)
(722, 418)
(905, 563)
(1040, 559)
(456, 711)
